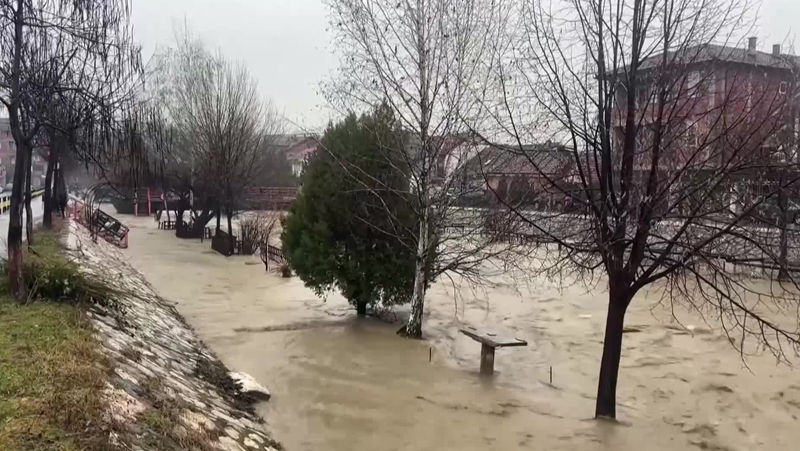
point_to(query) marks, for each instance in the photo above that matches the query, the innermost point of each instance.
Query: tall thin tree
(423, 59)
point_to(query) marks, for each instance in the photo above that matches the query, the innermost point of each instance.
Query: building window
(691, 136)
(783, 88)
(712, 90)
(643, 98)
(693, 83)
(622, 96)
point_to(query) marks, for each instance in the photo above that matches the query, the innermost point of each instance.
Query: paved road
(38, 211)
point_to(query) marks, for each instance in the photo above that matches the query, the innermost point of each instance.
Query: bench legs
(487, 359)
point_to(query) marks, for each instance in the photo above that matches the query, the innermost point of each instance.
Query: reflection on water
(340, 383)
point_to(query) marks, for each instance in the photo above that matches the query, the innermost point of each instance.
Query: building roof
(712, 52)
(302, 149)
(547, 158)
(285, 140)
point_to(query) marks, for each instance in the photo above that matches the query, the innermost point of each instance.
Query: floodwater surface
(349, 384)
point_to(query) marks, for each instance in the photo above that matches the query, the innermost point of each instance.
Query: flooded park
(343, 383)
(430, 225)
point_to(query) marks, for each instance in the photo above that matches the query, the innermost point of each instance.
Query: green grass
(52, 374)
(161, 426)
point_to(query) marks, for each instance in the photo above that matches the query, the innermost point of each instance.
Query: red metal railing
(99, 223)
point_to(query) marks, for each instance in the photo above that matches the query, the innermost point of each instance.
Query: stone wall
(162, 372)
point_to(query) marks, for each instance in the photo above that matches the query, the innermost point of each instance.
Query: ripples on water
(340, 383)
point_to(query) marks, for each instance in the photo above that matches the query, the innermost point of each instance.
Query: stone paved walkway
(151, 346)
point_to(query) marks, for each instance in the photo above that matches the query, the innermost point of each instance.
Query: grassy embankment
(52, 374)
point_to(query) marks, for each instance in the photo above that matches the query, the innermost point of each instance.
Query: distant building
(299, 151)
(8, 158)
(721, 98)
(8, 150)
(453, 154)
(533, 174)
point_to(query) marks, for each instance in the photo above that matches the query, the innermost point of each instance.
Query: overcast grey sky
(287, 48)
(283, 43)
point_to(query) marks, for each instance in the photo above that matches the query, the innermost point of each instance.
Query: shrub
(51, 275)
(255, 232)
(285, 270)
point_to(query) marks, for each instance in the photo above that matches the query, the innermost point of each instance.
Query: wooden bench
(490, 342)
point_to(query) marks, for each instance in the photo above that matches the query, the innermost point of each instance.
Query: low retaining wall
(150, 345)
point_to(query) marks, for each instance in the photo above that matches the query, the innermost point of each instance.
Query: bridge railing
(5, 199)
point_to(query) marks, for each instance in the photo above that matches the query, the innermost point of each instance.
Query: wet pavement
(37, 208)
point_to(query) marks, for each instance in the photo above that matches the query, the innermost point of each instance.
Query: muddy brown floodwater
(340, 383)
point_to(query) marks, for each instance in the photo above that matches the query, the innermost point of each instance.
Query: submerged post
(487, 359)
(489, 343)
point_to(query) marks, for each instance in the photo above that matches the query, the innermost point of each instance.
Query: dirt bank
(343, 384)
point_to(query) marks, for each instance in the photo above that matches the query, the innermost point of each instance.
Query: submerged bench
(490, 342)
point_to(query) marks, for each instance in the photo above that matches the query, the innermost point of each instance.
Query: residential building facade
(711, 106)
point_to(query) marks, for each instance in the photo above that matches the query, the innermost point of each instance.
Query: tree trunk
(783, 223)
(165, 203)
(414, 326)
(28, 209)
(231, 238)
(63, 195)
(56, 171)
(218, 215)
(361, 308)
(606, 405)
(15, 263)
(14, 242)
(48, 187)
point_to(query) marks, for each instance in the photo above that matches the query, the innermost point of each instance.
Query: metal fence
(276, 254)
(5, 199)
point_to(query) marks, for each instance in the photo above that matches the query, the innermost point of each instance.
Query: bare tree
(423, 59)
(257, 233)
(75, 120)
(46, 37)
(221, 120)
(670, 125)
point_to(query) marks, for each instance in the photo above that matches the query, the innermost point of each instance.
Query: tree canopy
(337, 235)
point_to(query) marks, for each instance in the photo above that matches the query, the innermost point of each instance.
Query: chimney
(751, 43)
(776, 50)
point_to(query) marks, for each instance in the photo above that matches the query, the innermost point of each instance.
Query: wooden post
(487, 359)
(489, 342)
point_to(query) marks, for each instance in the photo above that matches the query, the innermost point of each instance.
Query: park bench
(105, 225)
(489, 342)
